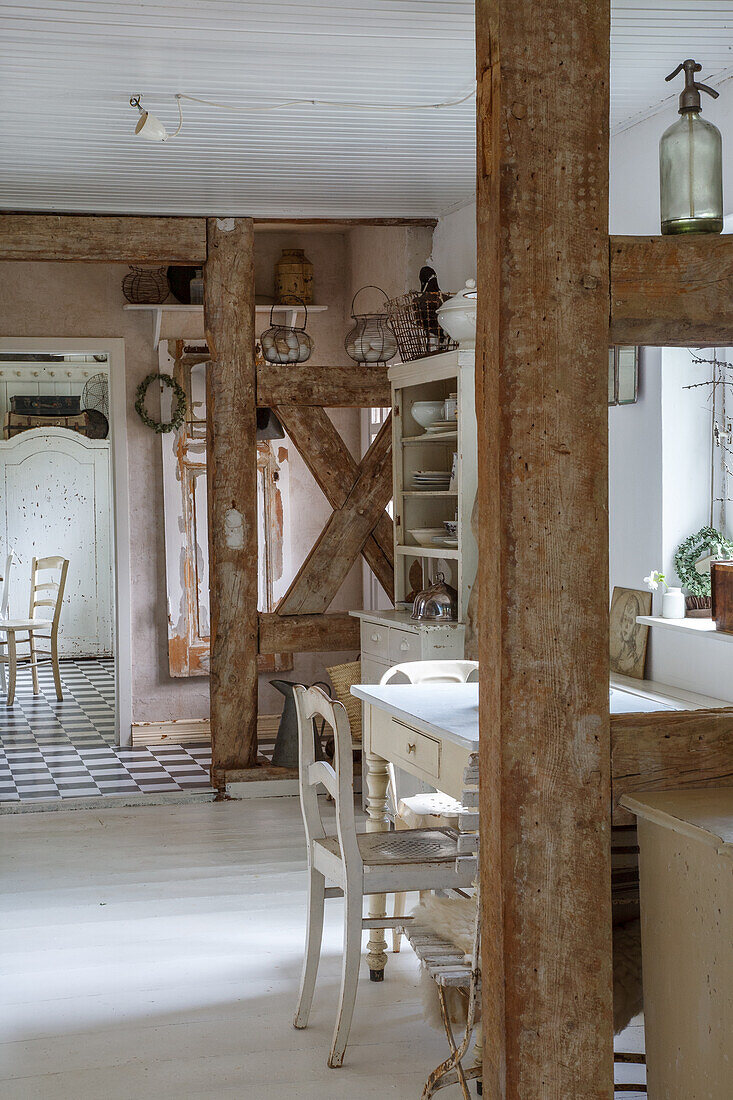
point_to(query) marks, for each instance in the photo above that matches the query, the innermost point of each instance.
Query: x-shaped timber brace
(544, 1039)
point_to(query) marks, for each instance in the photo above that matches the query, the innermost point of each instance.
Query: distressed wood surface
(672, 291)
(102, 239)
(543, 537)
(338, 546)
(669, 750)
(232, 491)
(307, 633)
(351, 386)
(335, 470)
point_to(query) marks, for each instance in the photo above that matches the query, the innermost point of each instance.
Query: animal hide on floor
(453, 920)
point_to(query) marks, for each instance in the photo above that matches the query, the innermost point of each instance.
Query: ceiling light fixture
(152, 129)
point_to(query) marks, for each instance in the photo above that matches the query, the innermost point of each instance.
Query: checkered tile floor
(54, 750)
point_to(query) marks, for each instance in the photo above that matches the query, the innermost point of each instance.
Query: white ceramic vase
(673, 604)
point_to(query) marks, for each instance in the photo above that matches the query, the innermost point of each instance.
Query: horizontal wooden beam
(353, 386)
(101, 239)
(308, 633)
(672, 291)
(315, 223)
(666, 750)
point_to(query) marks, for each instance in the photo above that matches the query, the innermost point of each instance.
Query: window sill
(705, 627)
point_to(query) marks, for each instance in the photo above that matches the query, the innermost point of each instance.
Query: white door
(55, 499)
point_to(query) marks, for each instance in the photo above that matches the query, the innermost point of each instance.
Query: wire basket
(413, 318)
(287, 343)
(371, 339)
(145, 286)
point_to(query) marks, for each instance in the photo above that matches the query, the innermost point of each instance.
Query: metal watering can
(285, 754)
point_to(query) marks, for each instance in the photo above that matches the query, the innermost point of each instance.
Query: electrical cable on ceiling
(153, 129)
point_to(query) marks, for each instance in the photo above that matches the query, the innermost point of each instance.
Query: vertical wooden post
(232, 486)
(541, 394)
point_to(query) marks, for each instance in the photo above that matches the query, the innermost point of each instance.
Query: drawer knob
(404, 646)
(376, 637)
(410, 747)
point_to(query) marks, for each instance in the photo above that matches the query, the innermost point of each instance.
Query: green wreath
(689, 551)
(179, 413)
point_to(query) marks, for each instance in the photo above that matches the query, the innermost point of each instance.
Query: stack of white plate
(442, 427)
(438, 480)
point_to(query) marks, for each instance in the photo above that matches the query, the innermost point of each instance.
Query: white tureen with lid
(458, 315)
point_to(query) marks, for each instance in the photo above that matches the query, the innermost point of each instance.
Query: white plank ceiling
(69, 69)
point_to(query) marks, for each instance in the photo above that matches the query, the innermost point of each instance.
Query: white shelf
(428, 437)
(427, 552)
(176, 308)
(429, 493)
(704, 627)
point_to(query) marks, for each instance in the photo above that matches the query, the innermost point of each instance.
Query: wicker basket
(413, 318)
(342, 678)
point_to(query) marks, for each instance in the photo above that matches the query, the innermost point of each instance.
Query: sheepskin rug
(453, 919)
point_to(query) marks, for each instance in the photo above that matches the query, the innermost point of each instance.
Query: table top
(705, 815)
(451, 710)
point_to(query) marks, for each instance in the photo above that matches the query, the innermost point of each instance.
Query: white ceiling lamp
(148, 126)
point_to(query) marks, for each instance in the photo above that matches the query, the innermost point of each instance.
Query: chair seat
(406, 847)
(24, 624)
(419, 811)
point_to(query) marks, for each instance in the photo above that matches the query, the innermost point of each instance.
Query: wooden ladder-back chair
(421, 811)
(4, 605)
(44, 593)
(447, 965)
(355, 863)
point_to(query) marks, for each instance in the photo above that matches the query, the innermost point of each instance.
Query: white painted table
(429, 730)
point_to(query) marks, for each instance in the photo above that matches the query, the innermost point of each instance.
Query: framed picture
(628, 639)
(623, 375)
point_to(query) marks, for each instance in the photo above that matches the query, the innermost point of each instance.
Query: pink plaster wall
(85, 300)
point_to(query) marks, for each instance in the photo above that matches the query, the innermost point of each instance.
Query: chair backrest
(338, 780)
(48, 593)
(422, 672)
(5, 599)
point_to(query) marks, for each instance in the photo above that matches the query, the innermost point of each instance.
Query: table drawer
(404, 646)
(375, 640)
(402, 744)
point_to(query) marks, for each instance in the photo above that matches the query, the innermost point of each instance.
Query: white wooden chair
(49, 593)
(446, 963)
(355, 863)
(434, 809)
(4, 605)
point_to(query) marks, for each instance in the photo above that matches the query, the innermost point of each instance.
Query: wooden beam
(673, 291)
(315, 223)
(669, 750)
(335, 470)
(308, 633)
(325, 569)
(543, 544)
(232, 487)
(100, 239)
(352, 386)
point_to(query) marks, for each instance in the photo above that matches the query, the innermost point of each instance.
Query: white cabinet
(417, 504)
(55, 500)
(392, 638)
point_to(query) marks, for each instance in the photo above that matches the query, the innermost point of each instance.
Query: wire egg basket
(287, 343)
(145, 286)
(371, 340)
(413, 318)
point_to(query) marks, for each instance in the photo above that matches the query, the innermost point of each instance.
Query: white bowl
(424, 536)
(425, 412)
(457, 316)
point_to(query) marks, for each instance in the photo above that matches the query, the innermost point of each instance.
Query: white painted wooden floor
(155, 952)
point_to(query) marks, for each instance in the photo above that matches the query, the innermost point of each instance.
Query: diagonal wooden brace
(358, 494)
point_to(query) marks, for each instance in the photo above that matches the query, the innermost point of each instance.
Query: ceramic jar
(673, 604)
(457, 316)
(294, 276)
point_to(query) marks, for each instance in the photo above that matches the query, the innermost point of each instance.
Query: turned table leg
(377, 781)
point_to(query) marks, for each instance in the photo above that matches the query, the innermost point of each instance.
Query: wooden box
(721, 578)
